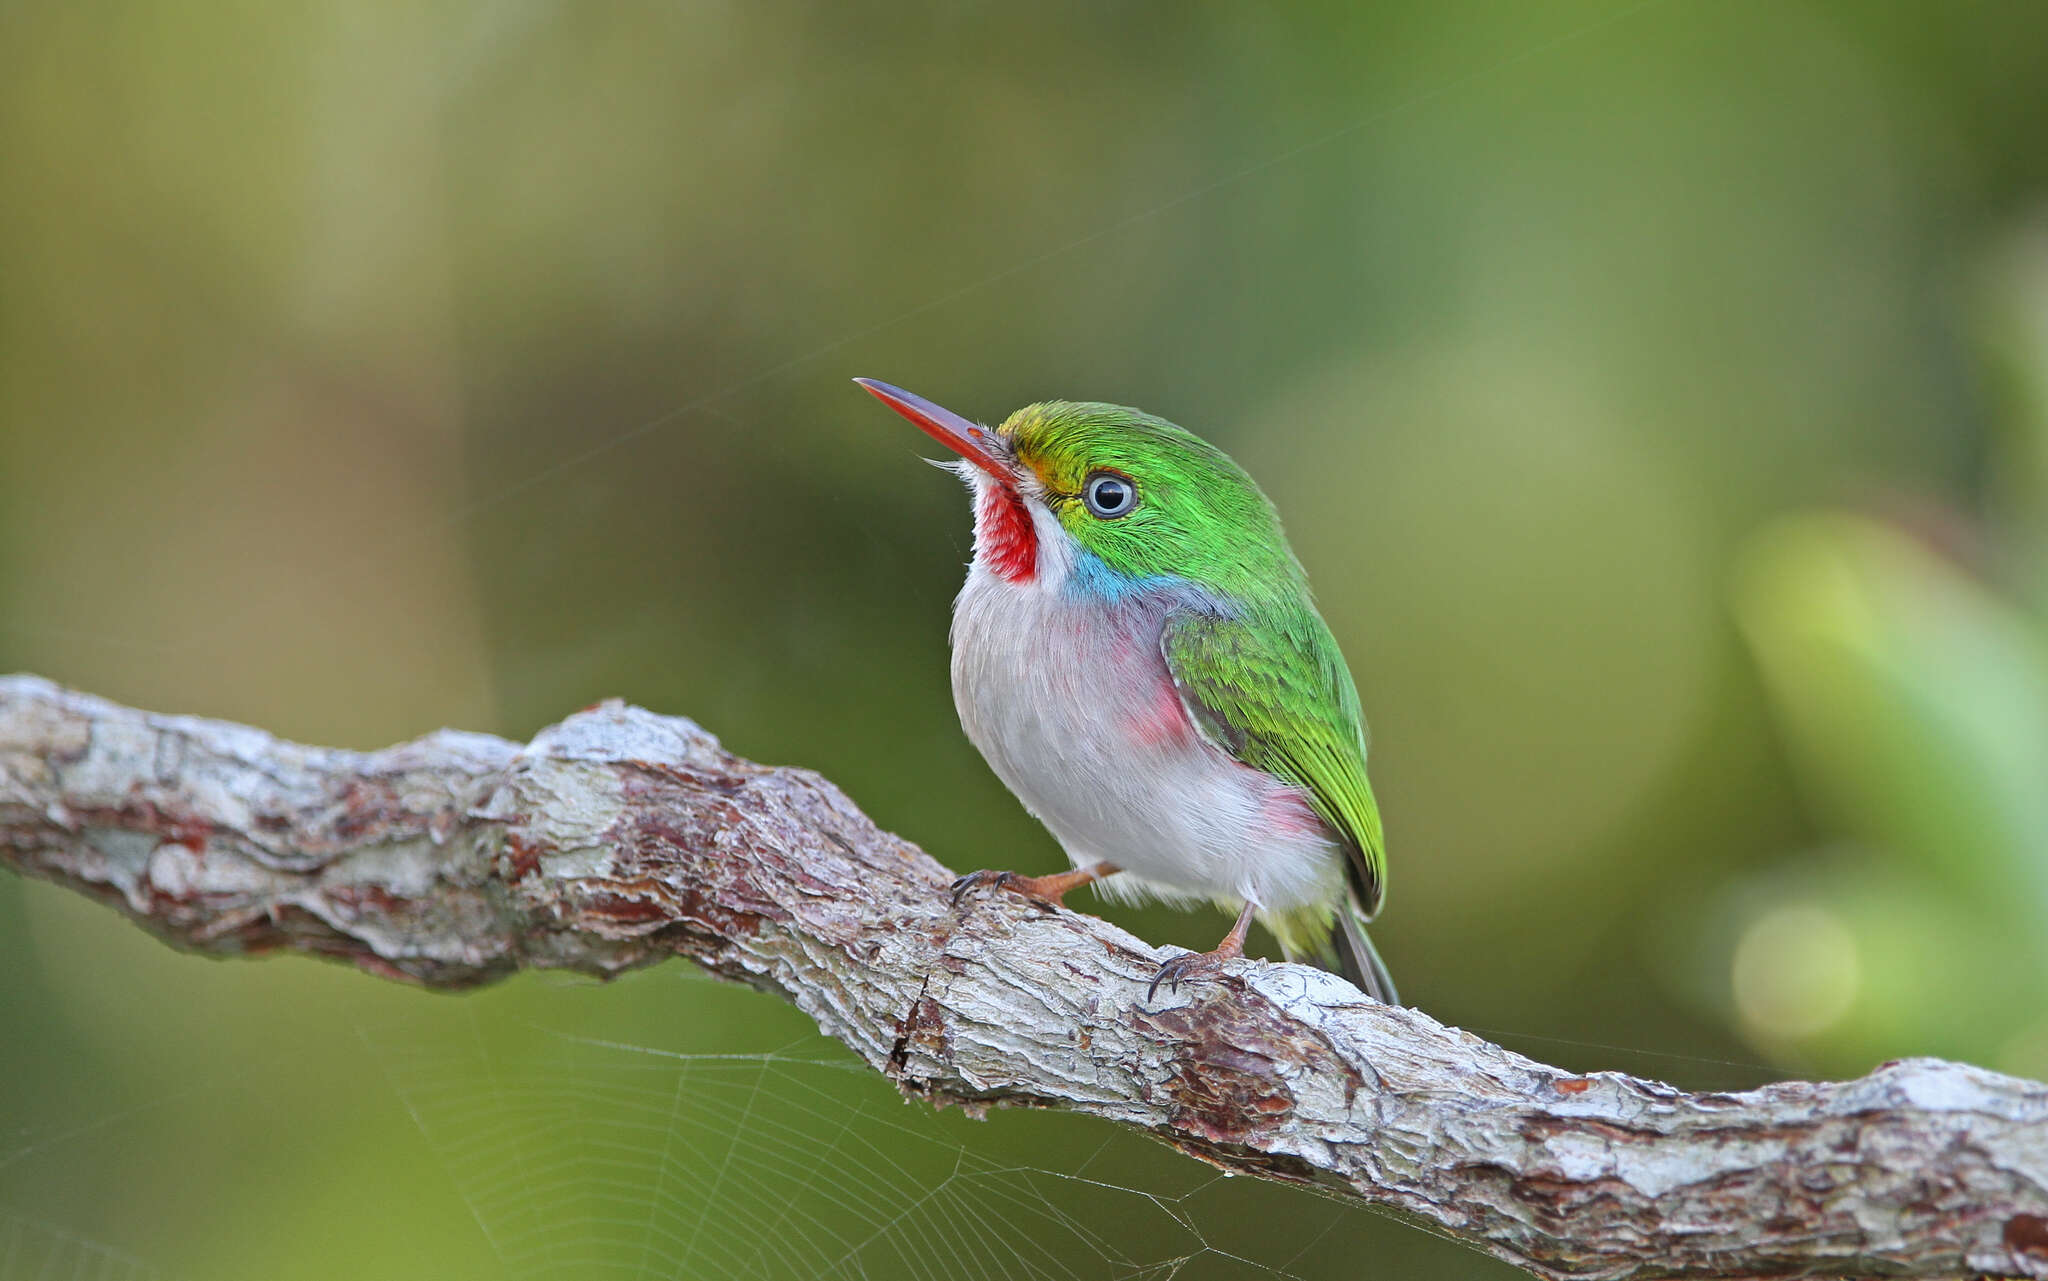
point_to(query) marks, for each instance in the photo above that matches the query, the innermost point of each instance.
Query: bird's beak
(977, 444)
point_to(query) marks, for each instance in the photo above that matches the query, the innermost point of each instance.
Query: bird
(1137, 655)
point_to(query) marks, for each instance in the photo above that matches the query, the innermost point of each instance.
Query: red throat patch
(1004, 537)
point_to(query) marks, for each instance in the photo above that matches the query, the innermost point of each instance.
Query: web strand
(255, 604)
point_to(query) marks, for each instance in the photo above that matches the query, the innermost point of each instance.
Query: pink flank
(1003, 534)
(1161, 720)
(1287, 811)
(1157, 717)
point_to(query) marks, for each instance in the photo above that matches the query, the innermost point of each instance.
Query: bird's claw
(1188, 967)
(1030, 888)
(984, 879)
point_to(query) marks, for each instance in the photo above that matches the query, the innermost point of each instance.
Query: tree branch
(619, 837)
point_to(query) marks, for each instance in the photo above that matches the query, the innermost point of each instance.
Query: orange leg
(1190, 966)
(1050, 890)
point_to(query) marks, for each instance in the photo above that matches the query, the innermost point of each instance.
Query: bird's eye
(1109, 495)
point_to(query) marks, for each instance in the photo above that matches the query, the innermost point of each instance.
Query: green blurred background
(1657, 394)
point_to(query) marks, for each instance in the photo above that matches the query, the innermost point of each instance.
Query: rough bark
(619, 837)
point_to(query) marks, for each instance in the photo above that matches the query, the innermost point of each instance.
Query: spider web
(597, 1158)
(579, 1152)
(31, 1247)
(582, 1146)
(665, 1124)
(604, 1132)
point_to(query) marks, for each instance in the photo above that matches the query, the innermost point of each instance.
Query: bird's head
(1105, 500)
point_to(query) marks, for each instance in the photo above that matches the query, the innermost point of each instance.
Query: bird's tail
(1348, 951)
(1357, 959)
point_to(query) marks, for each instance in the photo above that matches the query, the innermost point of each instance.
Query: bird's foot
(1191, 967)
(986, 879)
(1046, 891)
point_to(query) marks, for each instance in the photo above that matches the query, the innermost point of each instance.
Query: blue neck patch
(1092, 579)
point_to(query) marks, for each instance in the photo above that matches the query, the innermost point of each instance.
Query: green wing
(1280, 699)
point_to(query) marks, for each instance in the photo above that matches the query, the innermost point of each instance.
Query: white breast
(1069, 699)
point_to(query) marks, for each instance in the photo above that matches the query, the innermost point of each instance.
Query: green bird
(1137, 655)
